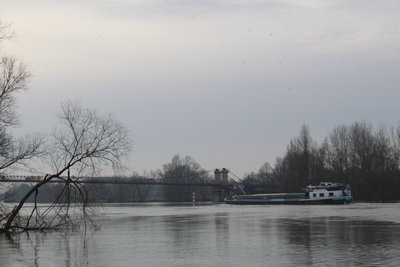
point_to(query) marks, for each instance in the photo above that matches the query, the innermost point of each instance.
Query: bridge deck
(106, 180)
(113, 181)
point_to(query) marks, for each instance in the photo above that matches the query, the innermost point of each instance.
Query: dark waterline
(219, 235)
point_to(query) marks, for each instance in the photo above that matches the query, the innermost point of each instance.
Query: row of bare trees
(357, 154)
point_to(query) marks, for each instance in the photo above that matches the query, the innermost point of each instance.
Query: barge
(324, 193)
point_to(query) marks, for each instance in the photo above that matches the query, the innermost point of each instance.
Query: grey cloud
(178, 9)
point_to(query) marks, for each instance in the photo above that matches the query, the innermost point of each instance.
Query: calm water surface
(219, 235)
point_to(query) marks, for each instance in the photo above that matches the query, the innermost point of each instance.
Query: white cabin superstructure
(328, 190)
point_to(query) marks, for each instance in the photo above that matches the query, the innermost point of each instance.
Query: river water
(160, 234)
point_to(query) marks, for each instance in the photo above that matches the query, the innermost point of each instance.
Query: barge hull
(289, 202)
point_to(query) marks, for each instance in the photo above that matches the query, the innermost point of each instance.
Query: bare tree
(82, 143)
(13, 151)
(5, 32)
(339, 152)
(13, 79)
(184, 170)
(296, 167)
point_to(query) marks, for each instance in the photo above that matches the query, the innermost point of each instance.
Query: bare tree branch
(83, 142)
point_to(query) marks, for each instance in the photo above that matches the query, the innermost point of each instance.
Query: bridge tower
(224, 176)
(217, 175)
(221, 177)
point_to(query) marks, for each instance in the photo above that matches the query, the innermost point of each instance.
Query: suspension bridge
(220, 185)
(108, 180)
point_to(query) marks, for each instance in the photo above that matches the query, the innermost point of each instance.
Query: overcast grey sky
(227, 82)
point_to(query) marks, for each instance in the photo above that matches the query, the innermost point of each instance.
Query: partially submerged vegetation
(83, 143)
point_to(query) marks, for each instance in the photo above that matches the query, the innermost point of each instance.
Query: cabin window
(314, 195)
(321, 194)
(331, 194)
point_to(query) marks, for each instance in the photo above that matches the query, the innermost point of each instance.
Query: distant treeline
(179, 170)
(358, 154)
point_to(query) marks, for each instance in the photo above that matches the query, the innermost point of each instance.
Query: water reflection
(222, 232)
(184, 234)
(216, 236)
(340, 240)
(44, 249)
